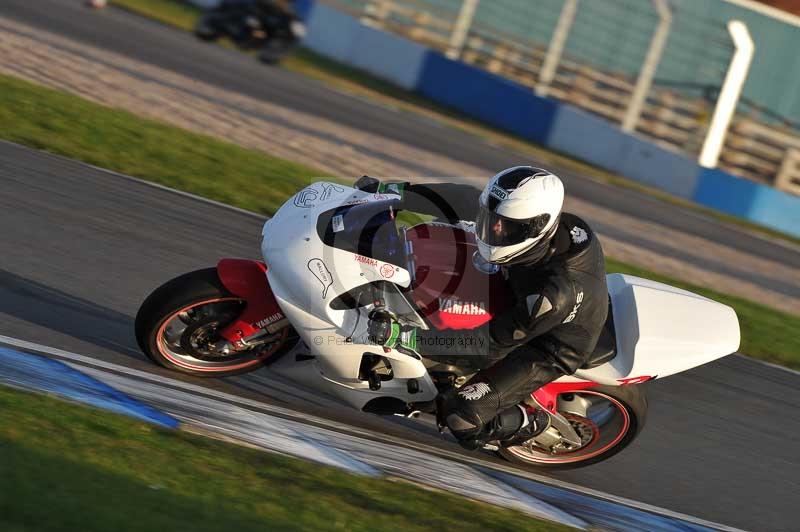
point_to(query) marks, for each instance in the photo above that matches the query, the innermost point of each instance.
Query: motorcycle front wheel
(606, 418)
(177, 327)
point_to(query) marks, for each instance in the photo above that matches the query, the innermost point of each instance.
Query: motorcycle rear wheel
(177, 324)
(616, 416)
(274, 50)
(206, 30)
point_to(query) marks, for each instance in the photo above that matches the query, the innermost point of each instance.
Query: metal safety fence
(653, 66)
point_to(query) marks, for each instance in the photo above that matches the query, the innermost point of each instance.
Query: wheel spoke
(602, 426)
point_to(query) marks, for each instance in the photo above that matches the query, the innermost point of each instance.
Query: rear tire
(630, 413)
(196, 295)
(274, 50)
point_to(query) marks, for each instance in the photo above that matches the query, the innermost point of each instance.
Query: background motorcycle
(269, 26)
(335, 254)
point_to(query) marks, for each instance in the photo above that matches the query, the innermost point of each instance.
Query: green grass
(353, 80)
(65, 124)
(67, 467)
(117, 140)
(177, 14)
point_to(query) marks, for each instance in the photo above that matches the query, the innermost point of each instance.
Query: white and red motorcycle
(332, 254)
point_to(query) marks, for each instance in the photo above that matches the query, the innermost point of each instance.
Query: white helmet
(518, 215)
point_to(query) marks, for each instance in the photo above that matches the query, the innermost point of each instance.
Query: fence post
(461, 28)
(729, 94)
(375, 13)
(649, 66)
(556, 47)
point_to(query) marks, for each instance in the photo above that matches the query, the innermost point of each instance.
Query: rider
(555, 268)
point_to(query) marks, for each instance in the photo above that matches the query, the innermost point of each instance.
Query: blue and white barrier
(513, 107)
(492, 99)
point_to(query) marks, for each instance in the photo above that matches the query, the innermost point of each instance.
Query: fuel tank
(447, 288)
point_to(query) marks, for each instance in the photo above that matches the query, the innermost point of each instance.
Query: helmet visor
(496, 230)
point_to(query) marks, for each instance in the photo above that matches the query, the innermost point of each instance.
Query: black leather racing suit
(559, 309)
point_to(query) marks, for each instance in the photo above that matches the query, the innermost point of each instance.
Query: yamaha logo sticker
(462, 308)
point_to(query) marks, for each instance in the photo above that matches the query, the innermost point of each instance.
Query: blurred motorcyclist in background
(555, 268)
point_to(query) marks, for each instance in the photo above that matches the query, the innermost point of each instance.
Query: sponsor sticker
(366, 260)
(269, 320)
(309, 196)
(473, 392)
(578, 301)
(387, 271)
(338, 223)
(461, 308)
(498, 192)
(322, 273)
(579, 235)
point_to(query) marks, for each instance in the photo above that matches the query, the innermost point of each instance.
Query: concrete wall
(515, 108)
(495, 100)
(341, 37)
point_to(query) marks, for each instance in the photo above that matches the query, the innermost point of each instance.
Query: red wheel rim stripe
(164, 352)
(626, 425)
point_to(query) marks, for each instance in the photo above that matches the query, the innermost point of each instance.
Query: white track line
(299, 416)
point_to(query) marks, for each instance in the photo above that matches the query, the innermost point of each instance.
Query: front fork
(262, 315)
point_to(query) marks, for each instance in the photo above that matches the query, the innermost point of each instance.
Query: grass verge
(353, 80)
(117, 140)
(120, 141)
(68, 467)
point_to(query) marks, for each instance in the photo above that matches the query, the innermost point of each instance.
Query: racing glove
(384, 330)
(373, 185)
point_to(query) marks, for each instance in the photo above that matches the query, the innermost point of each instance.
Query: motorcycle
(334, 254)
(271, 28)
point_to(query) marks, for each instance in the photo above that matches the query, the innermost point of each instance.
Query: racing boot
(533, 423)
(515, 425)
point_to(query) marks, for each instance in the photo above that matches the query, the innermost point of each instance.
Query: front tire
(616, 416)
(177, 325)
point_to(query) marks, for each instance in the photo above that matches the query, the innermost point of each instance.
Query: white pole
(553, 55)
(461, 28)
(729, 94)
(375, 13)
(651, 60)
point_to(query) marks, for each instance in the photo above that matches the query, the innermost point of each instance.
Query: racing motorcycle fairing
(662, 330)
(248, 280)
(334, 253)
(327, 228)
(330, 243)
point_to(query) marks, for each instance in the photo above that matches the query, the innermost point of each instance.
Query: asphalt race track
(180, 52)
(82, 247)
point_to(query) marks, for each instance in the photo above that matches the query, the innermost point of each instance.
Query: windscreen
(367, 229)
